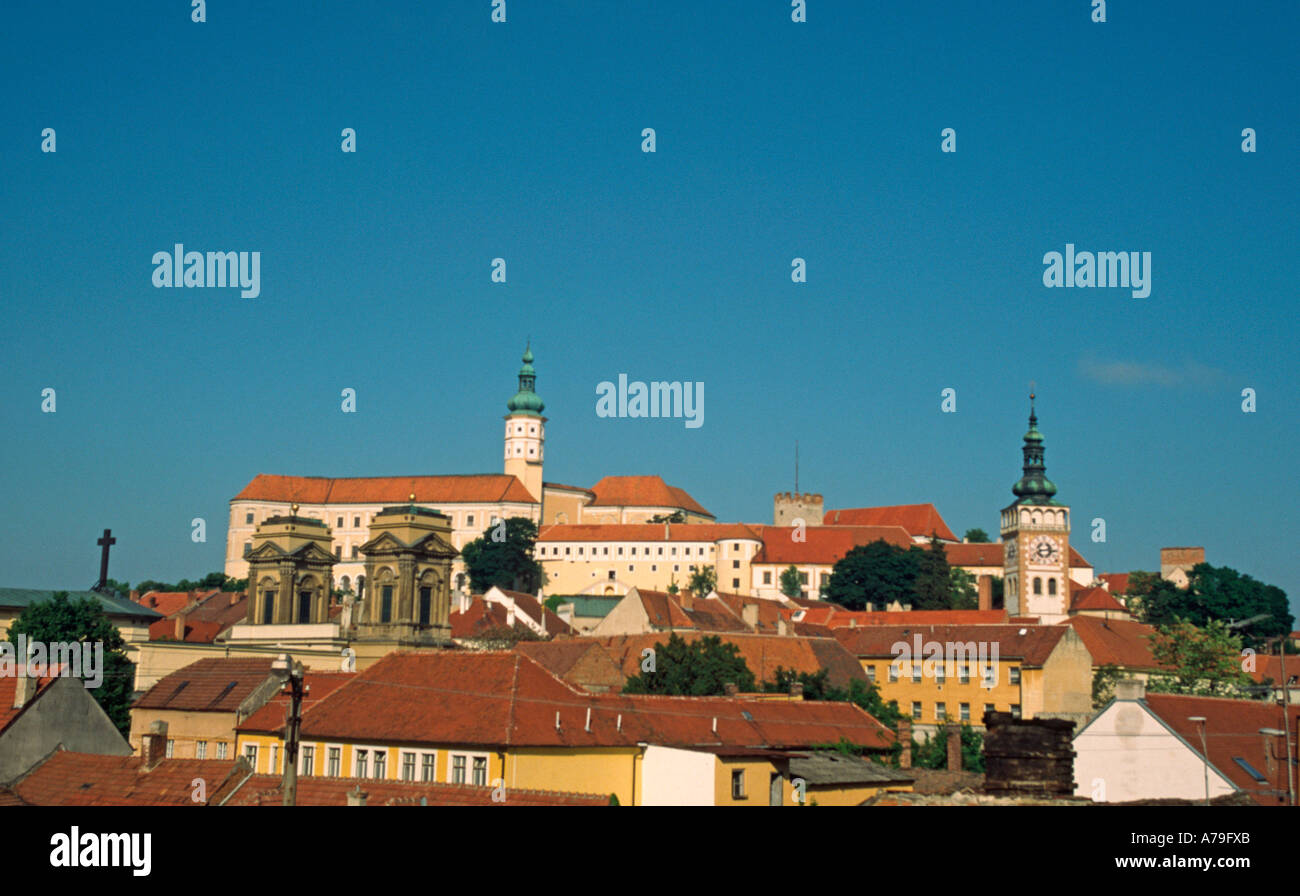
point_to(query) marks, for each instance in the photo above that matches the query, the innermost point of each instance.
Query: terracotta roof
(964, 554)
(763, 654)
(213, 684)
(8, 687)
(768, 614)
(503, 699)
(1269, 666)
(1232, 731)
(659, 532)
(1117, 582)
(642, 491)
(567, 488)
(270, 718)
(168, 602)
(1076, 559)
(487, 488)
(1032, 647)
(823, 545)
(264, 790)
(85, 779)
(683, 611)
(1094, 599)
(1115, 642)
(837, 617)
(558, 657)
(920, 520)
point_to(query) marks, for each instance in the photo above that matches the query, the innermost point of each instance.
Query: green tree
(1214, 593)
(701, 668)
(976, 536)
(963, 593)
(877, 573)
(1204, 661)
(702, 581)
(933, 753)
(932, 589)
(677, 516)
(1103, 684)
(503, 556)
(63, 620)
(791, 581)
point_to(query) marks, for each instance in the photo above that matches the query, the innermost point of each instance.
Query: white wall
(672, 777)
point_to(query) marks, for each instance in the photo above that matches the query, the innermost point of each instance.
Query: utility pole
(290, 673)
(1205, 754)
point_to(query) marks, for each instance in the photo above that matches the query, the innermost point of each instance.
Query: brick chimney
(905, 738)
(24, 690)
(796, 690)
(749, 613)
(1130, 689)
(357, 797)
(153, 745)
(730, 688)
(954, 748)
(985, 583)
(179, 632)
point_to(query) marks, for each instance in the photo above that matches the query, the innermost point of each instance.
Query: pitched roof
(1094, 599)
(685, 612)
(264, 790)
(650, 532)
(837, 617)
(1117, 582)
(1115, 642)
(486, 488)
(763, 654)
(113, 603)
(65, 778)
(506, 699)
(270, 717)
(823, 545)
(642, 491)
(768, 615)
(1269, 666)
(1076, 559)
(168, 602)
(920, 520)
(212, 684)
(558, 657)
(1031, 644)
(972, 554)
(821, 767)
(8, 688)
(1232, 732)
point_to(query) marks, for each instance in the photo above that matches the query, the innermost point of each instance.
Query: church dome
(526, 401)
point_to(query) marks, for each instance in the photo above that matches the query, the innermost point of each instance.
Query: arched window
(1051, 586)
(1038, 585)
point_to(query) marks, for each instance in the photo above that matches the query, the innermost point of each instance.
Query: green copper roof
(526, 401)
(1034, 487)
(113, 603)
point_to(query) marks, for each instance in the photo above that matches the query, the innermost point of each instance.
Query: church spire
(1034, 487)
(526, 401)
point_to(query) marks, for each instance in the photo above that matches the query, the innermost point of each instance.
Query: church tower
(526, 430)
(1036, 535)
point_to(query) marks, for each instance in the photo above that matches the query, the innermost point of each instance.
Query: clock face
(1044, 549)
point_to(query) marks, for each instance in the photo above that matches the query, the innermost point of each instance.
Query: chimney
(954, 748)
(234, 597)
(356, 796)
(24, 690)
(985, 583)
(179, 631)
(730, 688)
(135, 597)
(796, 690)
(905, 738)
(153, 746)
(667, 530)
(749, 613)
(1130, 689)
(781, 628)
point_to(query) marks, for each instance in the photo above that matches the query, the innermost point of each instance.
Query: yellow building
(499, 719)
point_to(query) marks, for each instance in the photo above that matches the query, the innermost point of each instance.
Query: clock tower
(1036, 539)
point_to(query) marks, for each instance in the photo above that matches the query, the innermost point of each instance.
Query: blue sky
(774, 140)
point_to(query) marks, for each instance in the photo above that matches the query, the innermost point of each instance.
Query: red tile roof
(1115, 642)
(488, 488)
(270, 718)
(1269, 666)
(504, 699)
(1031, 644)
(649, 532)
(168, 602)
(763, 654)
(1232, 731)
(965, 554)
(9, 687)
(1094, 599)
(213, 684)
(85, 779)
(1076, 559)
(642, 491)
(920, 520)
(1117, 582)
(837, 617)
(823, 545)
(264, 790)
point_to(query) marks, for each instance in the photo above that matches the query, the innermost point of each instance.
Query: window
(304, 606)
(673, 551)
(735, 583)
(480, 771)
(1015, 710)
(916, 671)
(340, 523)
(964, 710)
(893, 672)
(620, 552)
(386, 605)
(308, 760)
(458, 769)
(268, 607)
(250, 753)
(363, 764)
(381, 763)
(201, 750)
(803, 578)
(767, 577)
(1038, 585)
(426, 767)
(661, 552)
(1051, 586)
(248, 546)
(963, 673)
(1014, 674)
(338, 552)
(990, 676)
(275, 759)
(916, 710)
(738, 784)
(988, 708)
(611, 575)
(221, 749)
(356, 552)
(939, 671)
(469, 520)
(335, 761)
(735, 564)
(248, 519)
(941, 712)
(871, 674)
(356, 522)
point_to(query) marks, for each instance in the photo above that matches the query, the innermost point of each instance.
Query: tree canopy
(880, 574)
(702, 581)
(976, 536)
(503, 556)
(1201, 660)
(791, 581)
(701, 668)
(1214, 593)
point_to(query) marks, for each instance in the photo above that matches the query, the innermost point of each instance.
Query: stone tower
(526, 430)
(1036, 535)
(790, 506)
(408, 577)
(290, 575)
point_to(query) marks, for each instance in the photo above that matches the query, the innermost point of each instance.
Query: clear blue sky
(775, 140)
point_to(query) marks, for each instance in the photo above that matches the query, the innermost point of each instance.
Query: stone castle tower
(790, 506)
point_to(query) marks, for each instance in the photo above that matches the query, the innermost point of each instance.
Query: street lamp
(1205, 753)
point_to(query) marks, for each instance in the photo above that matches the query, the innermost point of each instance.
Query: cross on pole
(105, 543)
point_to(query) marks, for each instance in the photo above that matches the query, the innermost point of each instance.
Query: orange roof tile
(1117, 582)
(838, 617)
(920, 520)
(642, 491)
(823, 545)
(487, 488)
(84, 779)
(318, 685)
(1031, 644)
(1094, 599)
(8, 688)
(969, 554)
(212, 684)
(264, 790)
(1115, 642)
(650, 532)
